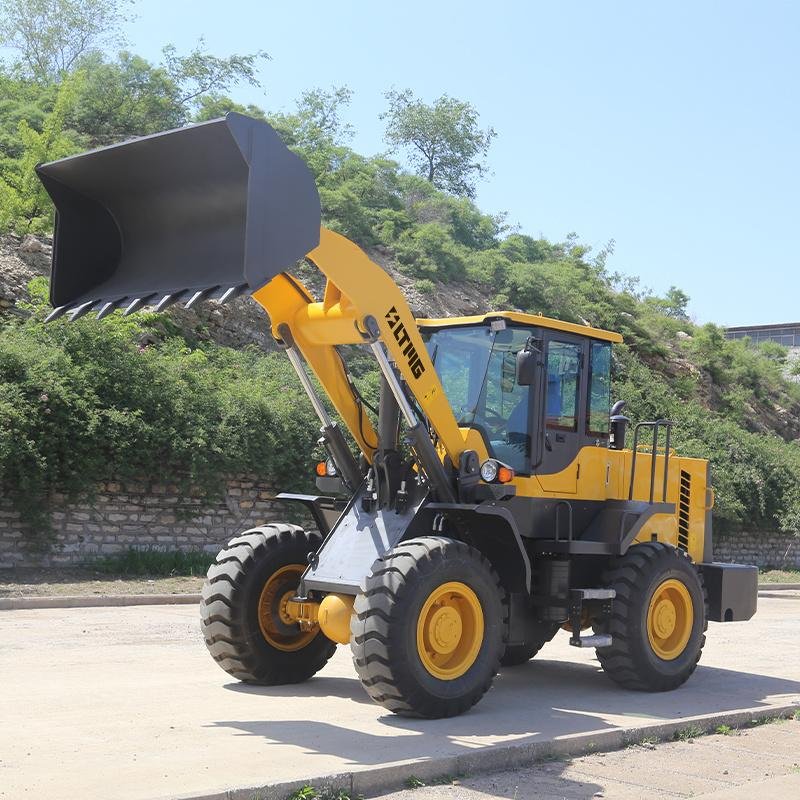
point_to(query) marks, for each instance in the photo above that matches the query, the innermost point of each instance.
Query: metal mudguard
(358, 539)
(732, 591)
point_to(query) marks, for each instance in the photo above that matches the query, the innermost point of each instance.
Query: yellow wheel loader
(493, 501)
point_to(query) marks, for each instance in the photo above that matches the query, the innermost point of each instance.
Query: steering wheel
(494, 422)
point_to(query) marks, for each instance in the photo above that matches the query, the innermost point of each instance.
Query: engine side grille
(683, 510)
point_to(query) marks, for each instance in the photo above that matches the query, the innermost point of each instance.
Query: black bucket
(206, 211)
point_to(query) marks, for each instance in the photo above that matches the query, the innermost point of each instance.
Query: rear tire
(539, 635)
(240, 608)
(426, 635)
(658, 620)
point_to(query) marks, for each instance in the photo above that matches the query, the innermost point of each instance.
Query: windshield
(477, 367)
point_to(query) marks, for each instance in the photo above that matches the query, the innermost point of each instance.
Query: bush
(82, 401)
(155, 563)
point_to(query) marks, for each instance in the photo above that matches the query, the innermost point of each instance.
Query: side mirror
(527, 362)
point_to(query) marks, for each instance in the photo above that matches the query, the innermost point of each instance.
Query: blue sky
(671, 128)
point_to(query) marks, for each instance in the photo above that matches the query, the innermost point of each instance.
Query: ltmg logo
(404, 340)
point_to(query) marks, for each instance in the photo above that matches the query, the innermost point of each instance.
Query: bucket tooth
(201, 295)
(81, 310)
(169, 300)
(56, 313)
(230, 294)
(137, 304)
(108, 308)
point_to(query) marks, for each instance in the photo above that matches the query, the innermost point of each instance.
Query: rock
(30, 244)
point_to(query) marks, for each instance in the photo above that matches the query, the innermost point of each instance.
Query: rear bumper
(732, 591)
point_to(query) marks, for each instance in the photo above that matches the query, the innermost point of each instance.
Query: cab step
(600, 601)
(595, 640)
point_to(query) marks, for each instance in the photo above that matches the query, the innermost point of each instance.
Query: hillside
(196, 385)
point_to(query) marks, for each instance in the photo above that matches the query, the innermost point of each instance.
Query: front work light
(493, 471)
(489, 470)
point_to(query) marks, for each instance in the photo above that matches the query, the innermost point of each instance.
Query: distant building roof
(785, 333)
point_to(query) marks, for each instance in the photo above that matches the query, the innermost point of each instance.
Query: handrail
(656, 426)
(568, 505)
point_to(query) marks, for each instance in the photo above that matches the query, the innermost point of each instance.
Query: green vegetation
(81, 401)
(154, 563)
(688, 734)
(325, 793)
(724, 730)
(779, 576)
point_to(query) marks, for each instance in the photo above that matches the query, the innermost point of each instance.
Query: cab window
(599, 399)
(563, 361)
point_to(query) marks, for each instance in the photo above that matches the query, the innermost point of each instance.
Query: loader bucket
(206, 211)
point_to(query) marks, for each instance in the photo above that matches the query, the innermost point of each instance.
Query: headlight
(330, 468)
(493, 471)
(489, 470)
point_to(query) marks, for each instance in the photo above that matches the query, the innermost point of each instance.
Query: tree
(444, 142)
(122, 98)
(316, 130)
(215, 105)
(51, 35)
(199, 73)
(24, 204)
(130, 96)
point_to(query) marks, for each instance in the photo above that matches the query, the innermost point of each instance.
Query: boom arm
(358, 291)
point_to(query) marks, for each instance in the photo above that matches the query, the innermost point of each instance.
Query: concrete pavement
(126, 703)
(761, 762)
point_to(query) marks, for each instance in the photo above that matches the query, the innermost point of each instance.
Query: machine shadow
(319, 686)
(561, 699)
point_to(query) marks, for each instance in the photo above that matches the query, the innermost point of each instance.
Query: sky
(669, 127)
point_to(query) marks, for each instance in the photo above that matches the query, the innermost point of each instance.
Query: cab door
(561, 412)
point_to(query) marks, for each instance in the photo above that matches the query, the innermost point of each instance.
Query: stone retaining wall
(143, 515)
(764, 549)
(153, 515)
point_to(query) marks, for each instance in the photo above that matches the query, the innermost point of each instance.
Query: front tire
(244, 625)
(658, 620)
(426, 635)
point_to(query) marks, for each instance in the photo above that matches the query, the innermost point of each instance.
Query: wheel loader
(489, 503)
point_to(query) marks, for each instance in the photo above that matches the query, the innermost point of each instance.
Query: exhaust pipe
(207, 211)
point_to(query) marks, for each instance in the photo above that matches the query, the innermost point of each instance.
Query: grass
(155, 563)
(413, 782)
(779, 576)
(688, 733)
(324, 793)
(723, 729)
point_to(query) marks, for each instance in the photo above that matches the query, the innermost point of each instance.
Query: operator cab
(536, 427)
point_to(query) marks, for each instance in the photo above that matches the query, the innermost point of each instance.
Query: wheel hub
(664, 619)
(445, 629)
(450, 630)
(670, 619)
(277, 625)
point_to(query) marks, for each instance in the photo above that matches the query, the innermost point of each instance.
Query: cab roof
(524, 319)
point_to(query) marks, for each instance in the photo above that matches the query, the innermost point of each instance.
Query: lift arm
(361, 303)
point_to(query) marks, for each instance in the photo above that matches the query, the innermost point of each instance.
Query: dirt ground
(779, 576)
(83, 582)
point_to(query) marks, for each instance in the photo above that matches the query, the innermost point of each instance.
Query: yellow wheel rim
(670, 617)
(277, 627)
(450, 631)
